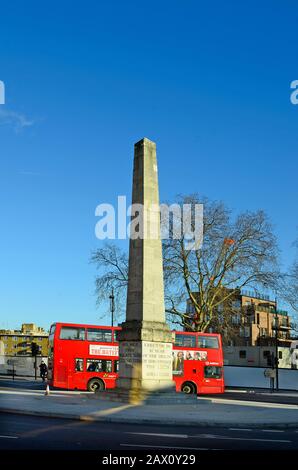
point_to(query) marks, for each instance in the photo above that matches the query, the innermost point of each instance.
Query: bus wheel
(95, 385)
(189, 388)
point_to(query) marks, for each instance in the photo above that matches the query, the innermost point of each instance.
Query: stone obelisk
(145, 342)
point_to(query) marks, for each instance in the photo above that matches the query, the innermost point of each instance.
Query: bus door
(61, 374)
(77, 375)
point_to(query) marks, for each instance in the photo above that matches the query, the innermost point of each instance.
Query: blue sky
(208, 81)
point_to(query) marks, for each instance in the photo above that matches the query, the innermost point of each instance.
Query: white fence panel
(254, 377)
(288, 379)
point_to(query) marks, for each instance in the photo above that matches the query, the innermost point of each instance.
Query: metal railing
(263, 308)
(255, 295)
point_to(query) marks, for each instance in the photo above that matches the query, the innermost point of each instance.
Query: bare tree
(289, 286)
(113, 265)
(288, 290)
(236, 252)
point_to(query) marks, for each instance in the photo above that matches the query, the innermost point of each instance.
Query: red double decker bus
(86, 357)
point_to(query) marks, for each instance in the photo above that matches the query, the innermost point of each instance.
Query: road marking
(256, 404)
(239, 429)
(164, 447)
(213, 436)
(9, 437)
(261, 430)
(183, 436)
(58, 393)
(272, 430)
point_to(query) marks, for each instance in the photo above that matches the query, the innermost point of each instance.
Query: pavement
(208, 411)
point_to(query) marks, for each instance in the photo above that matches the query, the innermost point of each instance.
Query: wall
(255, 356)
(254, 377)
(23, 366)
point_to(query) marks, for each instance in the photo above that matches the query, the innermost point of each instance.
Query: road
(20, 432)
(24, 432)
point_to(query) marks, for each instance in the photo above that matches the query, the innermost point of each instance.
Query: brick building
(18, 342)
(260, 318)
(250, 319)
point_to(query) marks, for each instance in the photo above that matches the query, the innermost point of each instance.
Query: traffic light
(35, 349)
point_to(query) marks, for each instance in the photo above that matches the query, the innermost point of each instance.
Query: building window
(279, 354)
(242, 354)
(236, 319)
(190, 308)
(258, 318)
(236, 304)
(244, 332)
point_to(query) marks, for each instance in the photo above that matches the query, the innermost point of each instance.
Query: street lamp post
(112, 306)
(276, 343)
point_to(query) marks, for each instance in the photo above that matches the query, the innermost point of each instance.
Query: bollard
(47, 392)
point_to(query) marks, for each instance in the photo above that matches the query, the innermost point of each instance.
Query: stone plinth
(145, 356)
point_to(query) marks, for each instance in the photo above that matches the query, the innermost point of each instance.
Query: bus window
(52, 330)
(207, 342)
(95, 334)
(212, 372)
(99, 365)
(50, 352)
(116, 366)
(116, 335)
(68, 332)
(79, 365)
(188, 341)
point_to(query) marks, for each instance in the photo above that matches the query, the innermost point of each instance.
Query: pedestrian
(43, 370)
